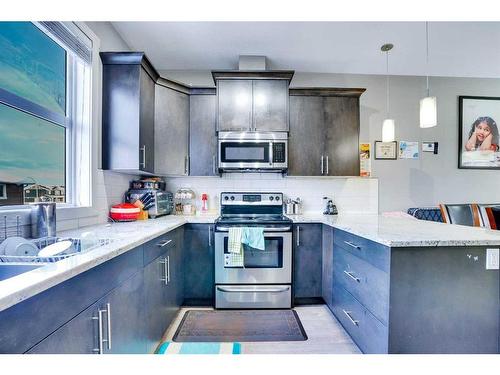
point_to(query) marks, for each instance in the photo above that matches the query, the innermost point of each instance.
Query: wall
(351, 195)
(408, 183)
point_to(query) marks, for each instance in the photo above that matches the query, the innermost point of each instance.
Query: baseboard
(200, 302)
(308, 301)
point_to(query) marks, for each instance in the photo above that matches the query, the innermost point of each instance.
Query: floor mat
(240, 325)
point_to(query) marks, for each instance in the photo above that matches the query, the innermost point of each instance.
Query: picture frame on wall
(478, 132)
(386, 150)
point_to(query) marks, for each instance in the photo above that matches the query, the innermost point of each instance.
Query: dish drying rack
(43, 242)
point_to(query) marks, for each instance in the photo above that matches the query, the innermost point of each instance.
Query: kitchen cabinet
(252, 101)
(171, 125)
(324, 134)
(113, 325)
(327, 265)
(202, 135)
(307, 261)
(128, 107)
(199, 268)
(415, 299)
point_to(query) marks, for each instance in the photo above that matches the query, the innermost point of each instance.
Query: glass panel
(32, 65)
(245, 152)
(32, 152)
(271, 257)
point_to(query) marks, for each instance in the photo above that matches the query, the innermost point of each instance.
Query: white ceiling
(463, 49)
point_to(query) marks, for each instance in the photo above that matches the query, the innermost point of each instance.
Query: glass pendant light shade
(428, 112)
(388, 127)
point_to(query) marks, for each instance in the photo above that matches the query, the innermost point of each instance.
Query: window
(45, 103)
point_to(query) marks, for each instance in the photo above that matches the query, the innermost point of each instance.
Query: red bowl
(124, 212)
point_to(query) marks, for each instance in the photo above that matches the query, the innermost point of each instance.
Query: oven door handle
(229, 289)
(266, 230)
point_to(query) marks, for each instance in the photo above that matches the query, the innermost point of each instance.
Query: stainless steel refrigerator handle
(350, 274)
(266, 230)
(186, 165)
(250, 290)
(353, 321)
(298, 234)
(99, 350)
(143, 149)
(327, 169)
(214, 165)
(108, 313)
(322, 169)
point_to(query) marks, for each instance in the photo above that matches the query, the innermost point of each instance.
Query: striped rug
(199, 348)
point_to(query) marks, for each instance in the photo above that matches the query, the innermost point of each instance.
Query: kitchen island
(396, 285)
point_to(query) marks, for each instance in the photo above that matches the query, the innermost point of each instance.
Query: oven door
(270, 266)
(245, 154)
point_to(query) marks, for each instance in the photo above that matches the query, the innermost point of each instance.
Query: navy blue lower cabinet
(198, 264)
(114, 324)
(307, 261)
(327, 271)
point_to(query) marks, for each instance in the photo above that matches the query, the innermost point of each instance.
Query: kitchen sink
(8, 270)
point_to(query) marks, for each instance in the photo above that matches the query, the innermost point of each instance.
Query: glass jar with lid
(185, 202)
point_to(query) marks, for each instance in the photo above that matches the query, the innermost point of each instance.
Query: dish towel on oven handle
(234, 241)
(253, 237)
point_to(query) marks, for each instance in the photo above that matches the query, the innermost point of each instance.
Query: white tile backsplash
(351, 195)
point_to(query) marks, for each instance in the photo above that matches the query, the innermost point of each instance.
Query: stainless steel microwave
(253, 151)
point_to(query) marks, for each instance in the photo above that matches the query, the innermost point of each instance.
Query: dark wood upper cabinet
(202, 137)
(324, 132)
(252, 101)
(171, 131)
(128, 104)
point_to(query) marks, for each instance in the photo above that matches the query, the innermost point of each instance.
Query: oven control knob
(271, 198)
(226, 198)
(277, 198)
(232, 197)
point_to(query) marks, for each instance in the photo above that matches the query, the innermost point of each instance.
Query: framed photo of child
(478, 132)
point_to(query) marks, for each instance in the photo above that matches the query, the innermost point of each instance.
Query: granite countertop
(125, 236)
(389, 231)
(403, 231)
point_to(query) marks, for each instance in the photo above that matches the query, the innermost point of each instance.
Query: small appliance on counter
(43, 219)
(330, 208)
(184, 202)
(149, 195)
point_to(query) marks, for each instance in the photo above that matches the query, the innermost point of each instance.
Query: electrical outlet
(492, 259)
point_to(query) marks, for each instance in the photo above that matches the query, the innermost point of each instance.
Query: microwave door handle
(271, 153)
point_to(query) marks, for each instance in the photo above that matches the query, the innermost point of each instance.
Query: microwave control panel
(279, 152)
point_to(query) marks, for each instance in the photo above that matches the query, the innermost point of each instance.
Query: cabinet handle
(186, 165)
(165, 272)
(322, 169)
(108, 313)
(327, 169)
(143, 150)
(99, 350)
(168, 269)
(352, 245)
(298, 235)
(164, 243)
(209, 235)
(353, 321)
(351, 275)
(214, 164)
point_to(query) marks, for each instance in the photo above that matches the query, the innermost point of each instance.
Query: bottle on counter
(204, 203)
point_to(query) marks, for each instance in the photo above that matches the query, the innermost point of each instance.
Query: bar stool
(461, 214)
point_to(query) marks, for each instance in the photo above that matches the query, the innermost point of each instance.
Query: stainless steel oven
(260, 278)
(253, 151)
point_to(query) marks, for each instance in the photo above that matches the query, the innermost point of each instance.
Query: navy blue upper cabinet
(199, 269)
(307, 260)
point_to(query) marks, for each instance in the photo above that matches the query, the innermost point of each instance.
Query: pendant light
(428, 105)
(388, 126)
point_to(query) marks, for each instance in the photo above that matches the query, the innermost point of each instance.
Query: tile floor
(325, 335)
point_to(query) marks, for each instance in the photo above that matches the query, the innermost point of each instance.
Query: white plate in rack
(57, 248)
